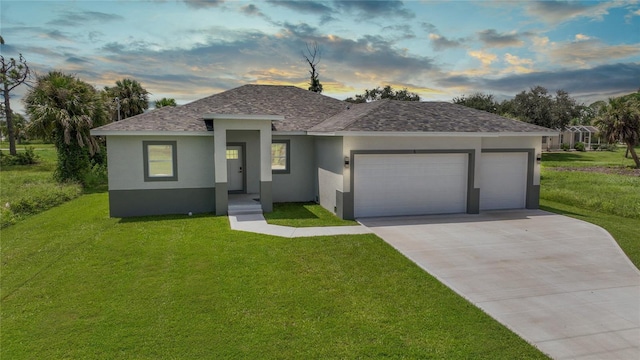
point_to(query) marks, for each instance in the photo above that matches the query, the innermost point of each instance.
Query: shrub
(565, 146)
(26, 157)
(579, 146)
(608, 147)
(595, 146)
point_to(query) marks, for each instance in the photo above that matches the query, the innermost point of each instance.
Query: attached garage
(410, 184)
(503, 180)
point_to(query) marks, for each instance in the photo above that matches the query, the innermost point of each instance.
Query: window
(232, 154)
(160, 161)
(280, 153)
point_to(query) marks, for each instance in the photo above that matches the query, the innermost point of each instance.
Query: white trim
(432, 134)
(215, 116)
(149, 133)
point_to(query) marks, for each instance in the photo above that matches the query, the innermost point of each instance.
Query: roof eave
(97, 132)
(432, 133)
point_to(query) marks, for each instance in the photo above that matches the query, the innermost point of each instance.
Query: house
(286, 144)
(571, 135)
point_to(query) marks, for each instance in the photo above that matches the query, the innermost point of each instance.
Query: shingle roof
(302, 109)
(410, 116)
(308, 111)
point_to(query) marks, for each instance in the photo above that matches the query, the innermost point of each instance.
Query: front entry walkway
(256, 223)
(562, 284)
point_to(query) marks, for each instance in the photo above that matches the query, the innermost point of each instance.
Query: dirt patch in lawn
(601, 169)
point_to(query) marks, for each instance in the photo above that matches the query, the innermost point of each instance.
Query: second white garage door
(503, 180)
(409, 184)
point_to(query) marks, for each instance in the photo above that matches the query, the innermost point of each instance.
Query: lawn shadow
(564, 156)
(291, 211)
(156, 218)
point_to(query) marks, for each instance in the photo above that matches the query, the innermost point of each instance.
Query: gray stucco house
(286, 144)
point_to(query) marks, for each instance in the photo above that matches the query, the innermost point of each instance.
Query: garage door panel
(409, 184)
(503, 180)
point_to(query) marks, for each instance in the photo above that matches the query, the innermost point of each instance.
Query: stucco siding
(298, 184)
(194, 160)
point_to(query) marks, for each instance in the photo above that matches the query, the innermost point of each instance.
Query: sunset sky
(440, 49)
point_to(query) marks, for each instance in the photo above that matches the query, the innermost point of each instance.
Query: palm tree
(131, 98)
(620, 121)
(65, 108)
(165, 102)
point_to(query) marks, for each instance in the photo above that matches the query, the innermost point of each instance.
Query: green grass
(611, 201)
(303, 215)
(30, 189)
(606, 193)
(588, 158)
(77, 284)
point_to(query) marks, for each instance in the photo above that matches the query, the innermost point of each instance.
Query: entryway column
(220, 167)
(266, 198)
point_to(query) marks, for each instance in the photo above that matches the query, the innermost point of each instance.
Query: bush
(565, 146)
(608, 147)
(579, 146)
(595, 146)
(26, 157)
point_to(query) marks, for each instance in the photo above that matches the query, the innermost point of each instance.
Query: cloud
(307, 7)
(55, 35)
(605, 78)
(517, 64)
(584, 51)
(486, 58)
(404, 31)
(253, 10)
(368, 9)
(77, 18)
(492, 38)
(203, 4)
(555, 12)
(440, 42)
(580, 37)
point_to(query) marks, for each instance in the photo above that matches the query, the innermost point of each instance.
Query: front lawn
(77, 284)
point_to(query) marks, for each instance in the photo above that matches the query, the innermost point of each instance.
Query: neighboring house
(588, 135)
(286, 144)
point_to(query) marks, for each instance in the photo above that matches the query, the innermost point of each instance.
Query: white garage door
(503, 181)
(409, 184)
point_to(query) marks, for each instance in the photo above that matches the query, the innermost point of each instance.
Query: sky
(189, 49)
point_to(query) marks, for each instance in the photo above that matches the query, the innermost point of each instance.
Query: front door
(235, 168)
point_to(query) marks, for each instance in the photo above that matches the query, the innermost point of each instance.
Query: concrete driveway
(560, 283)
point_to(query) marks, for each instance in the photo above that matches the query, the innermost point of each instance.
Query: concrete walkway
(562, 284)
(256, 223)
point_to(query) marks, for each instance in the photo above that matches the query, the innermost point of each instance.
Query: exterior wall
(126, 171)
(130, 195)
(298, 184)
(329, 161)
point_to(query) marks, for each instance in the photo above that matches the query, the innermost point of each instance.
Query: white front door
(235, 168)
